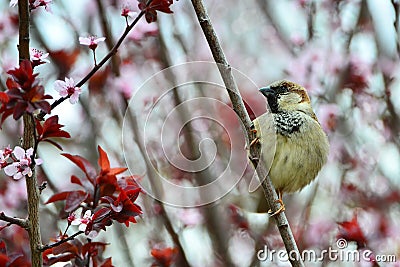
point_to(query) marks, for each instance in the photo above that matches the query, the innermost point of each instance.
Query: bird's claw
(281, 208)
(254, 141)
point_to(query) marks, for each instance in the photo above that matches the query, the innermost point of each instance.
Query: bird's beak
(271, 98)
(267, 92)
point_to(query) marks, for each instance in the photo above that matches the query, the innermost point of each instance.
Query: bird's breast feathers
(301, 150)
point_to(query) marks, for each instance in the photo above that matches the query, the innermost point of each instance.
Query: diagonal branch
(111, 53)
(238, 106)
(55, 244)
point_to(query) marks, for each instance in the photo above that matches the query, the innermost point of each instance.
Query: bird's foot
(254, 141)
(281, 208)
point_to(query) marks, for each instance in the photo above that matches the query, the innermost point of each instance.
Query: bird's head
(287, 96)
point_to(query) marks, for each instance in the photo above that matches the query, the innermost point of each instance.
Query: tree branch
(12, 220)
(32, 224)
(238, 106)
(55, 244)
(111, 53)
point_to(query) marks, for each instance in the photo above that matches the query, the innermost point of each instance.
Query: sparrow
(302, 146)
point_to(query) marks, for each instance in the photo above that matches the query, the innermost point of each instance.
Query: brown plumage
(301, 145)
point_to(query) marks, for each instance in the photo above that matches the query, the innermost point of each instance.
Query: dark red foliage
(110, 199)
(51, 128)
(351, 231)
(13, 260)
(24, 93)
(76, 252)
(164, 257)
(153, 7)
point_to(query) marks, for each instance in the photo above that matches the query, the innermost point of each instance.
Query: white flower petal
(82, 227)
(87, 215)
(76, 222)
(38, 161)
(84, 41)
(59, 85)
(100, 39)
(19, 152)
(18, 176)
(29, 152)
(12, 169)
(69, 82)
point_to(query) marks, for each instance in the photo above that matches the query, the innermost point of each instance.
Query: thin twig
(111, 53)
(238, 106)
(12, 220)
(55, 244)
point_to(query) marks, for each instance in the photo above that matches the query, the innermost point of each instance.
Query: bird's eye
(282, 90)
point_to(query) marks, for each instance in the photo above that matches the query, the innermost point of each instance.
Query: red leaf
(116, 171)
(83, 164)
(93, 247)
(4, 98)
(24, 94)
(64, 248)
(351, 231)
(51, 128)
(107, 263)
(61, 258)
(17, 261)
(164, 257)
(104, 163)
(76, 180)
(19, 110)
(155, 5)
(101, 214)
(3, 247)
(3, 259)
(57, 197)
(74, 199)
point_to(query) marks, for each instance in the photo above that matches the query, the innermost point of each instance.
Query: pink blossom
(91, 41)
(21, 166)
(83, 221)
(39, 3)
(127, 12)
(68, 88)
(4, 155)
(38, 57)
